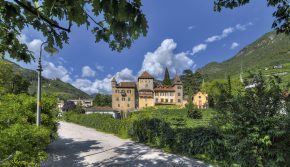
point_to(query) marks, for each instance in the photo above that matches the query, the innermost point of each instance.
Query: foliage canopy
(117, 23)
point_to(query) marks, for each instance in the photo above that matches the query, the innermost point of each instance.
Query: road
(80, 146)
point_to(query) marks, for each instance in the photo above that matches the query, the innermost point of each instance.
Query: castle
(131, 96)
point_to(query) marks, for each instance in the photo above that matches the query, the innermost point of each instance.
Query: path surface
(80, 146)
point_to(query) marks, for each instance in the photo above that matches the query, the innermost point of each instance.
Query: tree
(192, 112)
(282, 13)
(68, 106)
(18, 84)
(10, 81)
(102, 100)
(166, 80)
(117, 23)
(191, 81)
(256, 125)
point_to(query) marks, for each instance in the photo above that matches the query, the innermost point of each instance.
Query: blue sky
(182, 34)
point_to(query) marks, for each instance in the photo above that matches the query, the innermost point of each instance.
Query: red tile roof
(145, 75)
(164, 88)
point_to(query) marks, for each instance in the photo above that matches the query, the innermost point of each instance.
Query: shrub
(18, 134)
(194, 114)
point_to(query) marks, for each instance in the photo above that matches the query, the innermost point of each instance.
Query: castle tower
(114, 83)
(178, 87)
(146, 90)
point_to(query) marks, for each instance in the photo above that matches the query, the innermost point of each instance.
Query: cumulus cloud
(52, 71)
(33, 45)
(88, 72)
(164, 56)
(100, 68)
(198, 48)
(234, 45)
(103, 85)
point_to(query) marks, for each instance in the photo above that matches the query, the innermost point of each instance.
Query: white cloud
(190, 27)
(33, 45)
(164, 56)
(198, 48)
(88, 72)
(226, 32)
(234, 45)
(52, 71)
(103, 85)
(100, 68)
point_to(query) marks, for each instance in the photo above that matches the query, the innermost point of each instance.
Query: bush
(194, 114)
(18, 134)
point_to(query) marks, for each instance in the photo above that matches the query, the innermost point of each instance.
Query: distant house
(103, 110)
(200, 100)
(83, 102)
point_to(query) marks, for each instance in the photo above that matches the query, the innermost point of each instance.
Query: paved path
(80, 146)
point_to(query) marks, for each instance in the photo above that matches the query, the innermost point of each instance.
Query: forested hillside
(269, 50)
(56, 87)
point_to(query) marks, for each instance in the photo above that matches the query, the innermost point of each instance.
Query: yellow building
(200, 100)
(147, 93)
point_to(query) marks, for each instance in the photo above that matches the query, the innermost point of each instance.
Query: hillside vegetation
(55, 87)
(269, 50)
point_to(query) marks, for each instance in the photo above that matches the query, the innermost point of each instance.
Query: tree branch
(41, 16)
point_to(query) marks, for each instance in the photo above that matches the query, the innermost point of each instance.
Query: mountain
(56, 87)
(269, 50)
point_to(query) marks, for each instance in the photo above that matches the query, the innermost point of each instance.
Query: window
(156, 94)
(178, 94)
(179, 87)
(123, 99)
(118, 105)
(166, 100)
(128, 105)
(179, 100)
(156, 100)
(171, 94)
(146, 85)
(116, 91)
(162, 100)
(171, 100)
(128, 91)
(145, 98)
(146, 105)
(129, 99)
(117, 99)
(199, 97)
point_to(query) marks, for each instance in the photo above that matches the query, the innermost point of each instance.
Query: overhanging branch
(41, 16)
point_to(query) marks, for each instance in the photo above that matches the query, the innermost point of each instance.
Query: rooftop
(145, 75)
(126, 85)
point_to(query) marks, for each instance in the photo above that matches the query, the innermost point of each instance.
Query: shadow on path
(65, 152)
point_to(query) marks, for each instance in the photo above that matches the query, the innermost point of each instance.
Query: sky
(185, 34)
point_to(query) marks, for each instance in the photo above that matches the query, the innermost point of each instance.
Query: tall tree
(282, 12)
(102, 100)
(191, 81)
(117, 23)
(166, 80)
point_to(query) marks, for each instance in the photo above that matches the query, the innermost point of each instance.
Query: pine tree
(166, 80)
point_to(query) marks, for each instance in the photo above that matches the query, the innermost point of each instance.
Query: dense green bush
(19, 135)
(255, 124)
(158, 131)
(194, 114)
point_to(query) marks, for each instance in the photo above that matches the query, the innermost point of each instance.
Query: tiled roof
(145, 90)
(145, 75)
(114, 79)
(164, 88)
(126, 85)
(177, 80)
